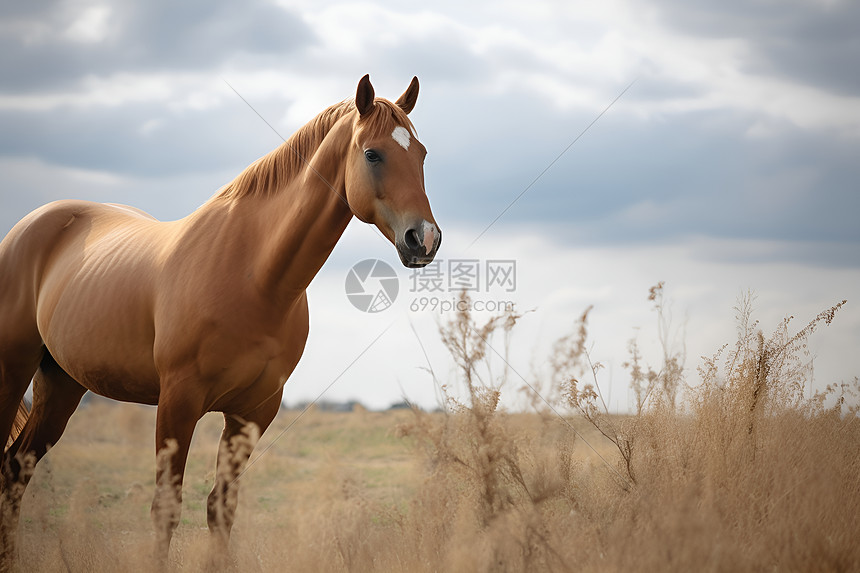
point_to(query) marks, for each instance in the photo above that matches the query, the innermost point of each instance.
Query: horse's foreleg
(176, 418)
(238, 439)
(56, 395)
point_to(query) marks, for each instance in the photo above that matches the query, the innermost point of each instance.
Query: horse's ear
(409, 97)
(364, 96)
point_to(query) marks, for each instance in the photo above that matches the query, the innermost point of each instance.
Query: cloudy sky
(729, 164)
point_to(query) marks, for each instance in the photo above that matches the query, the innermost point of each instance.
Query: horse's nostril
(411, 239)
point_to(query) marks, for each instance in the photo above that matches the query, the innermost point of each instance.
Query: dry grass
(738, 472)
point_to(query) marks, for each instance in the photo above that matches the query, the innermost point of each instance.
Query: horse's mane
(277, 168)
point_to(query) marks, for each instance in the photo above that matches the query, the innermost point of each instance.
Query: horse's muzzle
(418, 245)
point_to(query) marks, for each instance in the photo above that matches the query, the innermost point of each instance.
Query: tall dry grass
(735, 471)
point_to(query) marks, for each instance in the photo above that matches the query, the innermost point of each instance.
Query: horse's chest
(236, 360)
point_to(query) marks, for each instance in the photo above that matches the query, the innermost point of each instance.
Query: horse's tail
(18, 425)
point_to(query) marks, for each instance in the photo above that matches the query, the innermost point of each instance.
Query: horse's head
(385, 174)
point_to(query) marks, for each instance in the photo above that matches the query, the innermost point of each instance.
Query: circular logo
(372, 285)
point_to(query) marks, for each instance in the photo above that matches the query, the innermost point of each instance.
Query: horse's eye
(372, 156)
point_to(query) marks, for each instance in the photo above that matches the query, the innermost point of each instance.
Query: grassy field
(738, 470)
(310, 501)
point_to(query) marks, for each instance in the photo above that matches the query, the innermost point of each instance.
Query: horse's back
(35, 241)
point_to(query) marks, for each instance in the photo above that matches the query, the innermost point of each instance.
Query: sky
(727, 164)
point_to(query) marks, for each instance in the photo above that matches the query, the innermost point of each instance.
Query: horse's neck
(300, 224)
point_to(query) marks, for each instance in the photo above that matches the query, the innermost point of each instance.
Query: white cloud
(91, 26)
(151, 125)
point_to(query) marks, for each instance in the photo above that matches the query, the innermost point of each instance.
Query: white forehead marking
(401, 136)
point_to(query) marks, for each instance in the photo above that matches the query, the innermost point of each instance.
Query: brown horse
(208, 313)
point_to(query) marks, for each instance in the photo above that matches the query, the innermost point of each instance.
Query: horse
(206, 313)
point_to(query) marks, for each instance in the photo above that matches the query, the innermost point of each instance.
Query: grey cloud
(116, 140)
(628, 181)
(203, 33)
(142, 36)
(656, 87)
(816, 43)
(437, 61)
